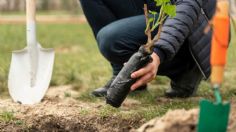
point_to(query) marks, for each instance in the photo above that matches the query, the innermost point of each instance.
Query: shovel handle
(30, 10)
(31, 39)
(220, 41)
(31, 24)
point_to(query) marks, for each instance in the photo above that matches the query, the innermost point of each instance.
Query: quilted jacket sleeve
(176, 30)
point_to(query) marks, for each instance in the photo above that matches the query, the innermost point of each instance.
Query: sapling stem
(150, 28)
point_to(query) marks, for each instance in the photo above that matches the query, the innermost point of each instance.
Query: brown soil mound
(181, 121)
(60, 113)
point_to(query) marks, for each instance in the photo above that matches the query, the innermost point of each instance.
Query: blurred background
(69, 6)
(50, 11)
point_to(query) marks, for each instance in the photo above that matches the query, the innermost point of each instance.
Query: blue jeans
(118, 26)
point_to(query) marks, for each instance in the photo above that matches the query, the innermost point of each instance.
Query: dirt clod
(181, 121)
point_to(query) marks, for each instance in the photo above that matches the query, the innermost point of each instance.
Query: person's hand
(147, 73)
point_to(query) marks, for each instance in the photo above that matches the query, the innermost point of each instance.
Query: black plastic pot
(120, 87)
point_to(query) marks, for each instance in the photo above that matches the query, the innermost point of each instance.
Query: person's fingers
(142, 71)
(142, 81)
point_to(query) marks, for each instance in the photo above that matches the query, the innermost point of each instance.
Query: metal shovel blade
(213, 117)
(19, 80)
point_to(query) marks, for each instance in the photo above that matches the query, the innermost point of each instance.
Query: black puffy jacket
(188, 27)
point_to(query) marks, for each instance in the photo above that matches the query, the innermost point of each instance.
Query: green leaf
(170, 10)
(150, 20)
(166, 1)
(161, 2)
(167, 9)
(158, 2)
(153, 12)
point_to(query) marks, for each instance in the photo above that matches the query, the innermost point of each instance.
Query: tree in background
(12, 5)
(19, 5)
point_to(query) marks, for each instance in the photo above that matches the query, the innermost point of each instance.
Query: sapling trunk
(120, 87)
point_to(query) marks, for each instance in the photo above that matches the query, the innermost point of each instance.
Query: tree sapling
(120, 87)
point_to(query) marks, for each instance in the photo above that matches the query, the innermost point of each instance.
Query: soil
(182, 121)
(61, 111)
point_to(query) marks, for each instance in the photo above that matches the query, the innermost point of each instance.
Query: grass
(79, 63)
(7, 116)
(107, 110)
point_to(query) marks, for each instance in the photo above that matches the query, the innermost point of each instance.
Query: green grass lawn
(79, 63)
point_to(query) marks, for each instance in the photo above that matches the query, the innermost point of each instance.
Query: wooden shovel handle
(220, 41)
(31, 25)
(30, 10)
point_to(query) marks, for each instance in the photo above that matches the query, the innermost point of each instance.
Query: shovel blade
(213, 117)
(19, 80)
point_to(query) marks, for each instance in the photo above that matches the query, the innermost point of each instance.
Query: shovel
(31, 68)
(214, 116)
